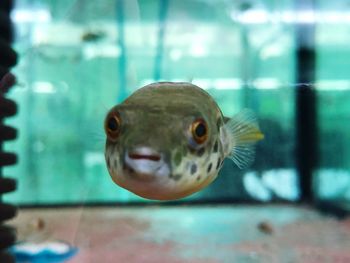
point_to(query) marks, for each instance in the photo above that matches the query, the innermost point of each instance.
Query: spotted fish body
(168, 140)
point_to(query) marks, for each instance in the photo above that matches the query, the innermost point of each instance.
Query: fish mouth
(145, 163)
(151, 157)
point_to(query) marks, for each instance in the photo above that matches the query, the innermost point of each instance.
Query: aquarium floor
(196, 234)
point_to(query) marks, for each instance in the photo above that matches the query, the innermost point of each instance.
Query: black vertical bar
(8, 108)
(306, 112)
(163, 9)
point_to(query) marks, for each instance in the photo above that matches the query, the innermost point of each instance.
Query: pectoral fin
(244, 132)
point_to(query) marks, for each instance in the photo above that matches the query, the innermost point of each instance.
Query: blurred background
(283, 59)
(286, 60)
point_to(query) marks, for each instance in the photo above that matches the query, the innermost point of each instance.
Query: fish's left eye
(199, 130)
(112, 126)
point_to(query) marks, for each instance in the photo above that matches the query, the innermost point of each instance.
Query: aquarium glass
(79, 58)
(332, 179)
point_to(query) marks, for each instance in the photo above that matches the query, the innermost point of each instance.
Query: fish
(168, 140)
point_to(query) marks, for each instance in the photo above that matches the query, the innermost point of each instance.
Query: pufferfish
(168, 140)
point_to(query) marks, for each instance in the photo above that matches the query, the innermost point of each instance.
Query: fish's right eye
(112, 126)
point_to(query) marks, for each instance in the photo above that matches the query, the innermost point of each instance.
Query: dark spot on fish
(192, 150)
(201, 151)
(176, 177)
(108, 162)
(193, 168)
(198, 178)
(209, 167)
(177, 158)
(218, 164)
(216, 147)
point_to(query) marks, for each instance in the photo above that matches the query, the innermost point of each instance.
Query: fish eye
(112, 126)
(199, 131)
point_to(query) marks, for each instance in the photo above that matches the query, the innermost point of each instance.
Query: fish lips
(143, 165)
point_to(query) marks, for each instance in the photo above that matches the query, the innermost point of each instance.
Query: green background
(79, 58)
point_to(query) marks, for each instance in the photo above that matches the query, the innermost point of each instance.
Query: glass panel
(79, 58)
(333, 87)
